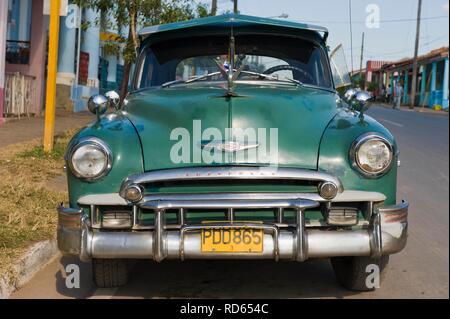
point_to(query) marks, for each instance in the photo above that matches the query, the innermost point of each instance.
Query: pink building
(23, 32)
(373, 66)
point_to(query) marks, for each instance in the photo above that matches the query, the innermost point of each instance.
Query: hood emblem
(228, 147)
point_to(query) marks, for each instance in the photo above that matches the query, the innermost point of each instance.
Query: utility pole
(214, 7)
(351, 33)
(235, 9)
(78, 58)
(3, 30)
(50, 98)
(416, 52)
(361, 63)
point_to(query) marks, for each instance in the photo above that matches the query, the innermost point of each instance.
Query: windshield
(200, 58)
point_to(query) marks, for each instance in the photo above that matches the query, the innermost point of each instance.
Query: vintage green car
(233, 144)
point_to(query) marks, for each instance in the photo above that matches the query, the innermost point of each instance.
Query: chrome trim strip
(308, 224)
(225, 204)
(345, 196)
(231, 172)
(232, 196)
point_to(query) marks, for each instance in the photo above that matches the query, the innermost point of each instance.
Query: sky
(391, 41)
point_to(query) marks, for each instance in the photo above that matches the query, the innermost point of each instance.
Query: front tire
(352, 272)
(110, 273)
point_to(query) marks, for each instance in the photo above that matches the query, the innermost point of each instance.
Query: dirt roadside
(30, 179)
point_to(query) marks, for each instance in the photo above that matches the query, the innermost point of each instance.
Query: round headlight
(372, 155)
(90, 159)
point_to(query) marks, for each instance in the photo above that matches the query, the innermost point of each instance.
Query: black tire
(351, 271)
(110, 273)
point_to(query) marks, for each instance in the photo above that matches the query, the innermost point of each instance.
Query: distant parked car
(233, 144)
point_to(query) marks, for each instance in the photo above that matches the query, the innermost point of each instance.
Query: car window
(198, 66)
(277, 56)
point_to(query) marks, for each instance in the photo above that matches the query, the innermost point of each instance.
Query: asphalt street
(419, 271)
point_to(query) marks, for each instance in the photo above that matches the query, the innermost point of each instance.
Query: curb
(34, 259)
(416, 110)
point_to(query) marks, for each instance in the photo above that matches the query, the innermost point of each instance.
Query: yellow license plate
(232, 240)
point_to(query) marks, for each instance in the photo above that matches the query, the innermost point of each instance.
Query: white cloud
(445, 7)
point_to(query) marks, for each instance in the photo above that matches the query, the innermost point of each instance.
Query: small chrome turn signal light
(133, 193)
(328, 190)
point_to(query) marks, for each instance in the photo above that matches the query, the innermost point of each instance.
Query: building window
(19, 32)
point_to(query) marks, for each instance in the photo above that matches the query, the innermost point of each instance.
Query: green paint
(335, 148)
(299, 114)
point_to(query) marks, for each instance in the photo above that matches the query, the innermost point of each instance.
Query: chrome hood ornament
(228, 146)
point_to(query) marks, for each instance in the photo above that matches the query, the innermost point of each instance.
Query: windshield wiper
(271, 77)
(191, 80)
(235, 76)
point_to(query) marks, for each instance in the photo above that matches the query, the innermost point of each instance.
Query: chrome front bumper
(386, 234)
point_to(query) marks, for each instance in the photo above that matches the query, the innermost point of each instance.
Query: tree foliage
(132, 15)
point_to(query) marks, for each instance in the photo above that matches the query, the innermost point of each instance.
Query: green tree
(133, 14)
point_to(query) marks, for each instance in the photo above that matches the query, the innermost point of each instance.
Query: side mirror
(98, 104)
(113, 99)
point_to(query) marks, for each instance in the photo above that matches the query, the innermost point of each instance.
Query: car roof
(231, 20)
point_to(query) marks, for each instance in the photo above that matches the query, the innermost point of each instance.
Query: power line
(422, 45)
(373, 53)
(381, 21)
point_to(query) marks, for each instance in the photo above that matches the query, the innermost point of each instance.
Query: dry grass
(27, 208)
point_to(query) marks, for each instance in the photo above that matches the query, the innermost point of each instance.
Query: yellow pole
(50, 97)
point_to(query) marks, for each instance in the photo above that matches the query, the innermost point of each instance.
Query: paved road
(23, 130)
(420, 271)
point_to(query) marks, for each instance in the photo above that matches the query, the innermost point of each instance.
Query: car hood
(284, 125)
